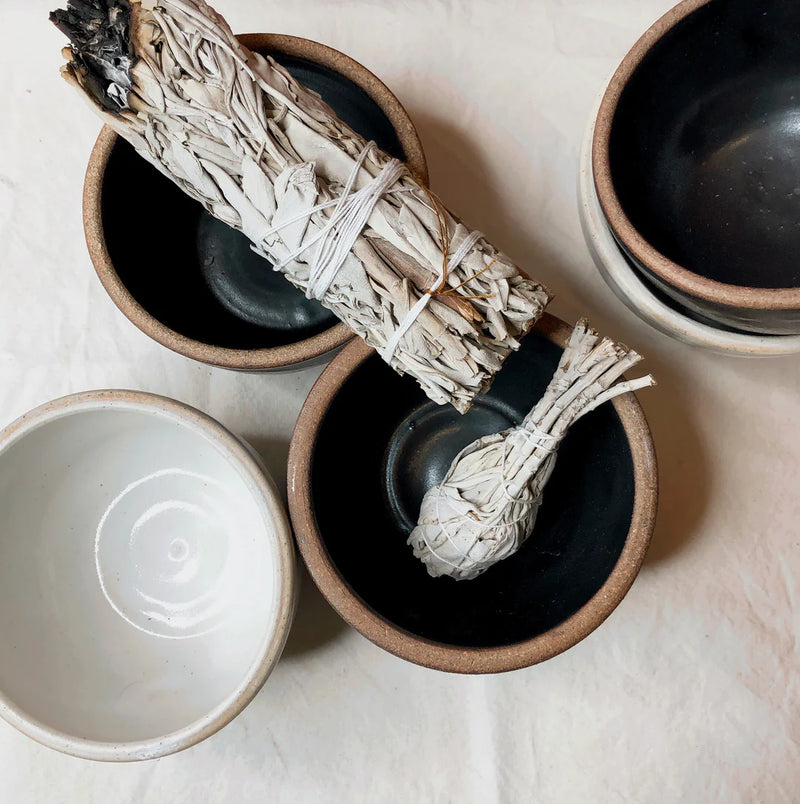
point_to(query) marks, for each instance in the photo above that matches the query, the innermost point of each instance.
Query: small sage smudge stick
(486, 506)
(340, 218)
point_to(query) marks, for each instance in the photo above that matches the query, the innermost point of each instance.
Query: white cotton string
(341, 236)
(466, 245)
(462, 555)
(341, 230)
(540, 439)
(307, 213)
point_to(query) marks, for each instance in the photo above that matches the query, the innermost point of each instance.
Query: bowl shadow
(684, 468)
(274, 452)
(315, 622)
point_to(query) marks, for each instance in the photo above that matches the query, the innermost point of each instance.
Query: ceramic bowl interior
(380, 444)
(194, 283)
(146, 576)
(698, 174)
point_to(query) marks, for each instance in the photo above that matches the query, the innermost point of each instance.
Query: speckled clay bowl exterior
(291, 355)
(773, 311)
(448, 657)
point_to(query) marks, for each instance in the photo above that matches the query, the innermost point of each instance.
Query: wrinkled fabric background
(689, 692)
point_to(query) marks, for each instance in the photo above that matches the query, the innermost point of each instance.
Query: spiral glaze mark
(163, 554)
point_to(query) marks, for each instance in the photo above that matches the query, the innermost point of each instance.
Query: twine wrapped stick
(486, 506)
(341, 219)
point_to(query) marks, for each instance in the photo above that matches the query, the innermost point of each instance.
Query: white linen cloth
(689, 692)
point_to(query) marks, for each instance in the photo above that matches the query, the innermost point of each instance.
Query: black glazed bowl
(366, 447)
(191, 282)
(695, 159)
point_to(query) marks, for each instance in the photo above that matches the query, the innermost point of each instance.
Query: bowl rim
(426, 652)
(736, 296)
(291, 355)
(261, 487)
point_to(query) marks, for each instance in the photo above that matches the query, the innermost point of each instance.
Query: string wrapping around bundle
(486, 506)
(467, 244)
(340, 218)
(337, 238)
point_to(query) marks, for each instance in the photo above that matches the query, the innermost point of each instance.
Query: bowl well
(147, 575)
(366, 447)
(191, 282)
(694, 160)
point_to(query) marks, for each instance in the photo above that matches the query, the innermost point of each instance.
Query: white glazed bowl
(147, 575)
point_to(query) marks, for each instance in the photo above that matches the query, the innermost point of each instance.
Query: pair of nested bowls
(158, 545)
(691, 166)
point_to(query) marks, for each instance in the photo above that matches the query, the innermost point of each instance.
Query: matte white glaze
(146, 575)
(632, 291)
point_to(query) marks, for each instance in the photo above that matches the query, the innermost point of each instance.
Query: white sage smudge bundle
(344, 221)
(486, 506)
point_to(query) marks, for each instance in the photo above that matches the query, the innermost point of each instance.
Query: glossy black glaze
(704, 146)
(195, 274)
(381, 444)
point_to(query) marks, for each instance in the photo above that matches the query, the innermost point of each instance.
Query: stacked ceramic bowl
(690, 182)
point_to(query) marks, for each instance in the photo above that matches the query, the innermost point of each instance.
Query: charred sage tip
(102, 52)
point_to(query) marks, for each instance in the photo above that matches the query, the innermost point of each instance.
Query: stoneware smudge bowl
(695, 160)
(367, 446)
(191, 282)
(147, 581)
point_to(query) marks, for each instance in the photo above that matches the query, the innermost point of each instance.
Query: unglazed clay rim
(429, 653)
(292, 354)
(264, 492)
(737, 296)
(626, 284)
